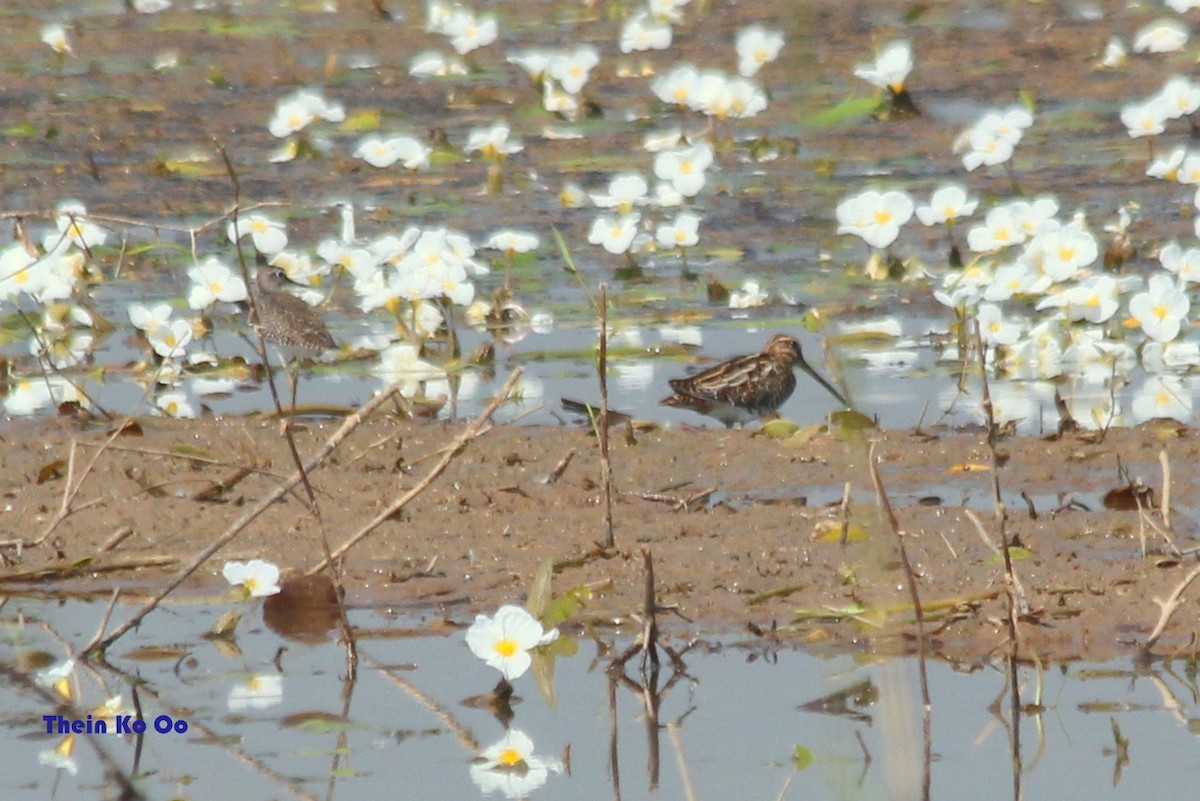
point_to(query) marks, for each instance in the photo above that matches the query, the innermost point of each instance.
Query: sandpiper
(288, 323)
(748, 387)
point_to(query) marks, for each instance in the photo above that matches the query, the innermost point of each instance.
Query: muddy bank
(747, 556)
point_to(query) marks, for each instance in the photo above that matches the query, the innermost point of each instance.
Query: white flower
(258, 576)
(1160, 309)
(755, 47)
(1059, 254)
(614, 234)
(993, 328)
(55, 36)
(149, 318)
(668, 10)
(991, 140)
(1180, 96)
(1167, 167)
(682, 232)
(1184, 263)
(678, 87)
(1094, 300)
(73, 225)
(875, 216)
(1115, 53)
(533, 61)
(269, 236)
(1162, 396)
(492, 142)
(947, 205)
(504, 641)
(468, 32)
(176, 404)
(380, 152)
(625, 191)
(1147, 118)
(171, 339)
(644, 32)
(891, 67)
(295, 112)
(573, 69)
(213, 281)
(684, 167)
(999, 230)
(432, 64)
(1161, 36)
(750, 296)
(512, 241)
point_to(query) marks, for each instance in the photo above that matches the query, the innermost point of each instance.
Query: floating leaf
(831, 531)
(225, 625)
(1015, 553)
(566, 605)
(968, 467)
(155, 653)
(319, 722)
(21, 129)
(848, 421)
(847, 110)
(362, 122)
(779, 428)
(801, 757)
(802, 436)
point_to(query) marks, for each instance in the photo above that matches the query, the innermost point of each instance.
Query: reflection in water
(510, 766)
(753, 720)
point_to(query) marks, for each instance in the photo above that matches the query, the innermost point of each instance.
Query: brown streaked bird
(288, 323)
(748, 387)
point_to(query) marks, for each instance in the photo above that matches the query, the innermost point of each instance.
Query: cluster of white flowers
(1179, 97)
(710, 92)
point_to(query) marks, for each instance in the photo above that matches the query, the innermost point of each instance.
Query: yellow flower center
(509, 757)
(883, 217)
(506, 647)
(1160, 312)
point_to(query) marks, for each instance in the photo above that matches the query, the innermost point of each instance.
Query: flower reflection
(510, 766)
(257, 692)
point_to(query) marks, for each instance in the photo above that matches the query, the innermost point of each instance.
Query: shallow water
(106, 128)
(730, 727)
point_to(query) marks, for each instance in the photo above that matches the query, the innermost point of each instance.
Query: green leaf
(539, 592)
(568, 261)
(1015, 553)
(21, 129)
(779, 428)
(362, 122)
(846, 110)
(801, 757)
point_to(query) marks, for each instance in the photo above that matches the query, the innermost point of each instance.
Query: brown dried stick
(469, 433)
(348, 425)
(1168, 608)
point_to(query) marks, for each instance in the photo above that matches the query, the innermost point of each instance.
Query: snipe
(748, 387)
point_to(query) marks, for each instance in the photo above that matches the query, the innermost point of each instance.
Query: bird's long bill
(828, 387)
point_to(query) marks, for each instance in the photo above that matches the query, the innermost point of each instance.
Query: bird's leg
(293, 372)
